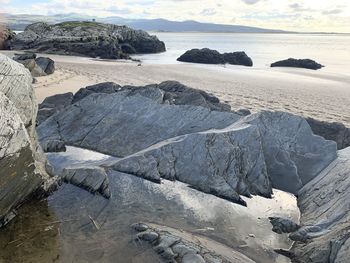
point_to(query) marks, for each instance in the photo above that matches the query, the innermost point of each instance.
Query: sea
(331, 50)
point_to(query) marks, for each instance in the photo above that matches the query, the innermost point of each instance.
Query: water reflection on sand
(74, 226)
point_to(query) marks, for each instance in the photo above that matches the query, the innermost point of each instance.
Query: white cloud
(295, 15)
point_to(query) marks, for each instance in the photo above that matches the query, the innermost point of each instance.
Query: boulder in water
(209, 56)
(298, 63)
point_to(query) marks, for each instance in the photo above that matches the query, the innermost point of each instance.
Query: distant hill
(19, 22)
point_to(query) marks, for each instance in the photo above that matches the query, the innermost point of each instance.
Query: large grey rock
(103, 122)
(217, 152)
(169, 92)
(22, 163)
(86, 38)
(334, 131)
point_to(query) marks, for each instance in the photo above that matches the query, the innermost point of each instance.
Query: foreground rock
(323, 235)
(93, 179)
(5, 36)
(209, 56)
(88, 39)
(22, 164)
(334, 131)
(298, 63)
(216, 152)
(182, 247)
(38, 67)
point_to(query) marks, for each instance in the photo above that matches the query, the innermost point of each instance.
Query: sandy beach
(323, 94)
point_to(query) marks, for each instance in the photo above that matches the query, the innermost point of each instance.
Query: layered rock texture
(38, 67)
(179, 246)
(88, 39)
(22, 164)
(177, 133)
(209, 56)
(298, 63)
(323, 234)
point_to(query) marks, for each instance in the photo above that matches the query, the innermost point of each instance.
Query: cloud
(332, 12)
(250, 2)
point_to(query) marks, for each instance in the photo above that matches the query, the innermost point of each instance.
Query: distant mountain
(19, 22)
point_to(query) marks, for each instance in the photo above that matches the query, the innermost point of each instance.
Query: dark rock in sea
(209, 56)
(334, 131)
(38, 67)
(22, 163)
(93, 179)
(90, 39)
(238, 58)
(298, 63)
(204, 56)
(283, 225)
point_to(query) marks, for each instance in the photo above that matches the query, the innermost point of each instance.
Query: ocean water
(333, 51)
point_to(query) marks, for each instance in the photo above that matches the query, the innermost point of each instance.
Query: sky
(294, 15)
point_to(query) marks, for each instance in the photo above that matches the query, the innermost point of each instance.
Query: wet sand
(323, 94)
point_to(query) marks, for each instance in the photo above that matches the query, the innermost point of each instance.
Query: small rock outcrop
(298, 63)
(5, 36)
(22, 163)
(334, 131)
(90, 39)
(38, 67)
(283, 225)
(209, 56)
(93, 179)
(179, 246)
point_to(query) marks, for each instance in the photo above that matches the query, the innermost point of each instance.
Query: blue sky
(298, 15)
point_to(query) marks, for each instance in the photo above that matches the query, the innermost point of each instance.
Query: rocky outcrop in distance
(5, 36)
(209, 56)
(182, 138)
(90, 39)
(298, 63)
(22, 162)
(38, 67)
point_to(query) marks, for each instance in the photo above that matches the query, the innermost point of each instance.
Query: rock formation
(5, 36)
(177, 135)
(22, 163)
(38, 67)
(298, 63)
(209, 56)
(323, 235)
(87, 39)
